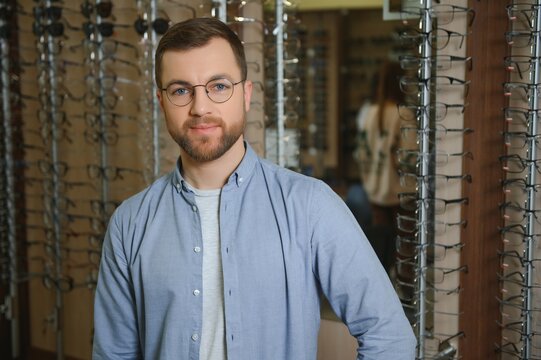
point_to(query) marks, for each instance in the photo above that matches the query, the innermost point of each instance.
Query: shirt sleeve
(115, 321)
(355, 283)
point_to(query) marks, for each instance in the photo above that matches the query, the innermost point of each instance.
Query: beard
(205, 148)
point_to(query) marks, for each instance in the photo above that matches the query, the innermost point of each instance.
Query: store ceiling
(338, 4)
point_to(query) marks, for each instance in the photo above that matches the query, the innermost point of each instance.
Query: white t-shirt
(213, 333)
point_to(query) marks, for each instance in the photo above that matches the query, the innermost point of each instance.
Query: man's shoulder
(148, 195)
(286, 176)
(292, 181)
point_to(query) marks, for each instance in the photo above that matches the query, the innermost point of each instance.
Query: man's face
(204, 129)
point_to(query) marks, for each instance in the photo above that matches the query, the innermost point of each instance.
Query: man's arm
(355, 282)
(115, 323)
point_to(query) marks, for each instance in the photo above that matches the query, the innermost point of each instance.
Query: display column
(424, 170)
(529, 271)
(8, 241)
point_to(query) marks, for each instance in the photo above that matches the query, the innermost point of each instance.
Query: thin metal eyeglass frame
(206, 91)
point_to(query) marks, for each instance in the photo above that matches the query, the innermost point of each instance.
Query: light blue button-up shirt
(285, 239)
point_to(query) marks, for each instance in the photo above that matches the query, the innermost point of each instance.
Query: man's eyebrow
(187, 83)
(220, 76)
(177, 82)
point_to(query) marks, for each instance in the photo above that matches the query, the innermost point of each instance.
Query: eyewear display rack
(281, 83)
(50, 102)
(520, 277)
(425, 72)
(8, 245)
(149, 13)
(424, 268)
(280, 120)
(529, 271)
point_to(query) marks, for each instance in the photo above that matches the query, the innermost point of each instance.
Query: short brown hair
(195, 33)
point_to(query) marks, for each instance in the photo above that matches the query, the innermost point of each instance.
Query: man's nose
(200, 102)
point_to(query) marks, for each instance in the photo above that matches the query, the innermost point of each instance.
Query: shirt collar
(237, 178)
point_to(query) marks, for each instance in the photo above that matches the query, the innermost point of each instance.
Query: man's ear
(248, 87)
(159, 95)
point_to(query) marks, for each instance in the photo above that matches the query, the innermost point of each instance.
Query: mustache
(214, 120)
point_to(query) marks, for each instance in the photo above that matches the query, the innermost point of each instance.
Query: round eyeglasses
(218, 90)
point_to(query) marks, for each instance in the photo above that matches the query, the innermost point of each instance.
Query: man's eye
(219, 87)
(179, 91)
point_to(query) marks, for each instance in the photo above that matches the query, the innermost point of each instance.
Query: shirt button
(196, 292)
(241, 179)
(194, 208)
(195, 337)
(197, 249)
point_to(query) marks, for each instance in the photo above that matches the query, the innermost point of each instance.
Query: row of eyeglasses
(283, 86)
(423, 277)
(520, 298)
(78, 130)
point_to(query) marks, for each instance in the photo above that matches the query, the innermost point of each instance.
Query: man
(226, 257)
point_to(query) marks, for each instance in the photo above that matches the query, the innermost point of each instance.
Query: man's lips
(204, 126)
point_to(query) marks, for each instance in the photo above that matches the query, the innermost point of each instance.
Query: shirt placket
(228, 219)
(196, 279)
